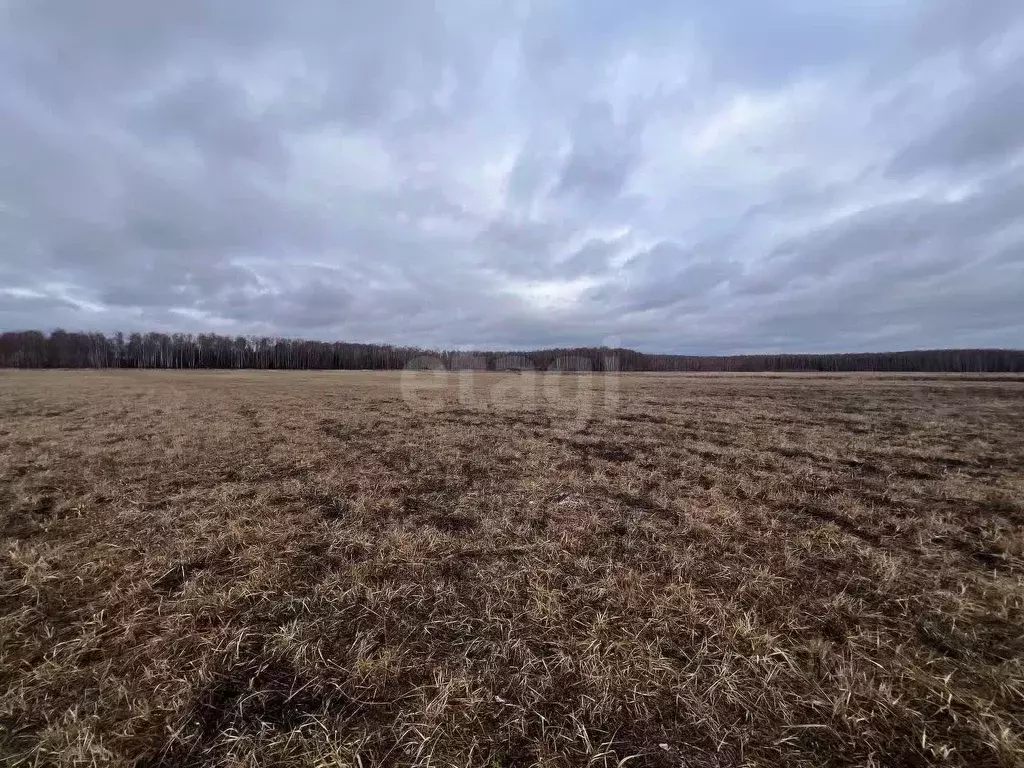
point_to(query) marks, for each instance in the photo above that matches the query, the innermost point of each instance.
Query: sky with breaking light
(696, 177)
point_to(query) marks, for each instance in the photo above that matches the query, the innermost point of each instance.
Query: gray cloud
(665, 276)
(912, 239)
(603, 154)
(983, 126)
(782, 175)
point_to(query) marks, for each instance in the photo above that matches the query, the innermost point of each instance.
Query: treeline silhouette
(63, 349)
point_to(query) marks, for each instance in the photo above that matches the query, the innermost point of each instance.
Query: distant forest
(62, 349)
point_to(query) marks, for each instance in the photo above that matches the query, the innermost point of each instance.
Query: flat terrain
(284, 568)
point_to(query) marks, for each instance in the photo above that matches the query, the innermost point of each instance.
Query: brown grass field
(358, 569)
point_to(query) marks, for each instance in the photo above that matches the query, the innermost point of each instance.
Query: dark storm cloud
(780, 175)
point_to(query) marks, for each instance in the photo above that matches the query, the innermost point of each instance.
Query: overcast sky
(744, 175)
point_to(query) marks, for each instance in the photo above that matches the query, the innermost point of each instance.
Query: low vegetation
(313, 569)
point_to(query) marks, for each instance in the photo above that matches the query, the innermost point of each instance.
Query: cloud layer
(784, 175)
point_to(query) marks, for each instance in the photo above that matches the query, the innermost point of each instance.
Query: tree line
(63, 349)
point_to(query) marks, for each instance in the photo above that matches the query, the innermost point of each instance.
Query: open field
(231, 568)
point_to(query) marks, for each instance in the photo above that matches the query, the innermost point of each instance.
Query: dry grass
(328, 569)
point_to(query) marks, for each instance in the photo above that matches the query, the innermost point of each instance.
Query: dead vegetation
(203, 568)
